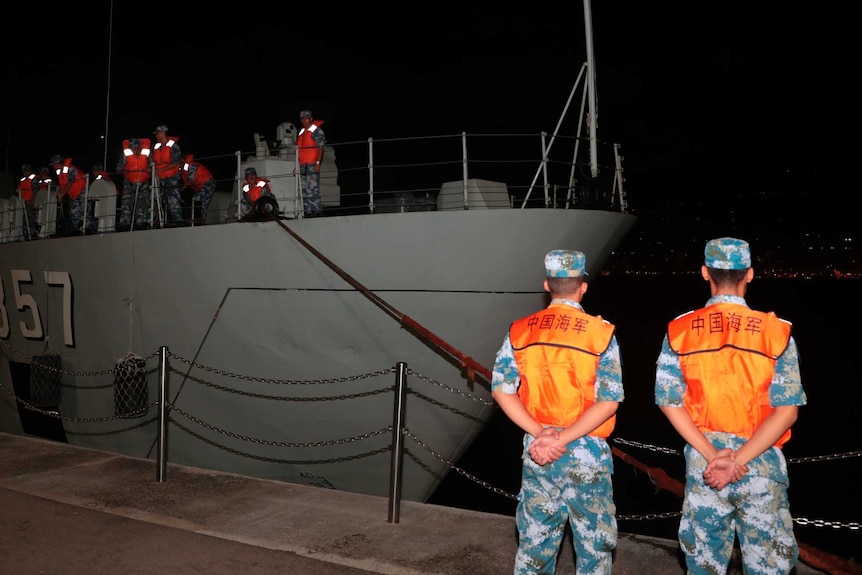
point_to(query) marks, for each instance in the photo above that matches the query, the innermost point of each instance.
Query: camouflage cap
(56, 159)
(306, 114)
(565, 264)
(727, 254)
(160, 128)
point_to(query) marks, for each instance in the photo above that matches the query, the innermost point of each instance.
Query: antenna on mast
(591, 88)
(108, 87)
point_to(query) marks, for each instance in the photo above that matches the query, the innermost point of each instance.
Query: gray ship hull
(278, 365)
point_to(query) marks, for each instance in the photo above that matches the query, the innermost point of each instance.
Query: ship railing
(385, 175)
(444, 172)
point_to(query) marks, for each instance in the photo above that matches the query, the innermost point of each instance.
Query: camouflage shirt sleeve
(786, 386)
(319, 137)
(669, 383)
(505, 377)
(176, 154)
(609, 374)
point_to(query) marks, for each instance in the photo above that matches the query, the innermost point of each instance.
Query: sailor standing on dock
(728, 380)
(558, 377)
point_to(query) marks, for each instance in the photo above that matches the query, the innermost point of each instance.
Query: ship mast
(591, 88)
(108, 85)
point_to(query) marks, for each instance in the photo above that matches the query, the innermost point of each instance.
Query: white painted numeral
(24, 301)
(62, 279)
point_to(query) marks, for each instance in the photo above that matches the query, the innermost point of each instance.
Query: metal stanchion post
(397, 444)
(162, 454)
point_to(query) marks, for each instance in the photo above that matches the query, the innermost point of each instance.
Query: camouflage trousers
(135, 198)
(171, 198)
(755, 507)
(312, 204)
(578, 489)
(76, 212)
(204, 197)
(30, 225)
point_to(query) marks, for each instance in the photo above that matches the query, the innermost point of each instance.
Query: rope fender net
(130, 387)
(45, 379)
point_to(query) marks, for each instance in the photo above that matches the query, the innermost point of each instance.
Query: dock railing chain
(398, 429)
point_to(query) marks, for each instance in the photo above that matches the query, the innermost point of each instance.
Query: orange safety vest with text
(165, 166)
(727, 353)
(305, 144)
(136, 168)
(557, 351)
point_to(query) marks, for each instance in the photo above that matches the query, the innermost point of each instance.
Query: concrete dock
(68, 510)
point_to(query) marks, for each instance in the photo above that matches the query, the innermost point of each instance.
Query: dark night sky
(714, 91)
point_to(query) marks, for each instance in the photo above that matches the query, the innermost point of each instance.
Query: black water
(827, 326)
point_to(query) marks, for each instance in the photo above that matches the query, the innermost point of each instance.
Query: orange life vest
(557, 351)
(136, 167)
(67, 186)
(305, 144)
(165, 165)
(25, 187)
(255, 190)
(202, 174)
(727, 353)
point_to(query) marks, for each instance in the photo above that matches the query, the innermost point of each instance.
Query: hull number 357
(19, 308)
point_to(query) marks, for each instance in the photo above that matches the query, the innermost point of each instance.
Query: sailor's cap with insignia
(727, 254)
(565, 264)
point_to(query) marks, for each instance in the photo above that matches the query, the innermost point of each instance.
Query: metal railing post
(395, 475)
(161, 453)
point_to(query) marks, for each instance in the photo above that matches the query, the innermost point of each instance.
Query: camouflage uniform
(202, 193)
(258, 187)
(312, 204)
(31, 221)
(72, 223)
(169, 192)
(134, 198)
(576, 488)
(76, 212)
(169, 188)
(756, 507)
